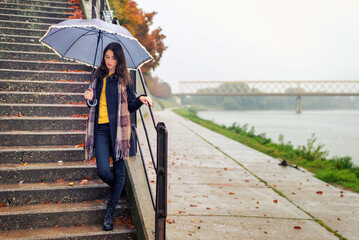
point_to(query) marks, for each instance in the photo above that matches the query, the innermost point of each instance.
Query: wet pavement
(221, 189)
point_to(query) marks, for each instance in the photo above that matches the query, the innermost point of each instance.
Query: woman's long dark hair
(121, 68)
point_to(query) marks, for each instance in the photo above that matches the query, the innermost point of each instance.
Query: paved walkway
(215, 192)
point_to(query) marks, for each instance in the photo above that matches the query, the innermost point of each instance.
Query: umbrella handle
(94, 99)
(94, 103)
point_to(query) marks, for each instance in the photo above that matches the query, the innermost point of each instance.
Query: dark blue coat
(133, 102)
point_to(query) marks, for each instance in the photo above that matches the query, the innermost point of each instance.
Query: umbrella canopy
(84, 40)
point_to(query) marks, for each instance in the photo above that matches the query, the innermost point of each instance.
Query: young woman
(108, 128)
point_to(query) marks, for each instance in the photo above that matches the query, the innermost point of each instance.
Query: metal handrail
(145, 91)
(160, 204)
(148, 140)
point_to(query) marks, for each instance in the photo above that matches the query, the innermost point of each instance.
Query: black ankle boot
(108, 221)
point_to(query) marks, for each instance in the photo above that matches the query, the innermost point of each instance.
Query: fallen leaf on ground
(297, 227)
(25, 164)
(80, 145)
(193, 205)
(83, 181)
(275, 201)
(231, 193)
(319, 192)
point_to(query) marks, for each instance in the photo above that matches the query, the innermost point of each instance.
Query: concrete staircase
(46, 190)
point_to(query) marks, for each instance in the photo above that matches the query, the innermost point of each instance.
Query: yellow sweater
(102, 113)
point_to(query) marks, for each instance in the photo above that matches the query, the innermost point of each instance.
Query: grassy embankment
(338, 171)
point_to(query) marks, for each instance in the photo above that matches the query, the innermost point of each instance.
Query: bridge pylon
(299, 104)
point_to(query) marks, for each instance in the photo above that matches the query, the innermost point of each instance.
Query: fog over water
(338, 130)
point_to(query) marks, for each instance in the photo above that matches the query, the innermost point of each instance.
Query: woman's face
(110, 61)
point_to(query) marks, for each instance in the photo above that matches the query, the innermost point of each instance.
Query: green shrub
(192, 110)
(337, 176)
(311, 152)
(342, 162)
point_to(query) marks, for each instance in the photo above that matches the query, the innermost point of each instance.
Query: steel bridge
(269, 88)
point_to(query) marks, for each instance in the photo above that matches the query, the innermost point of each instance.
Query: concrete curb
(142, 212)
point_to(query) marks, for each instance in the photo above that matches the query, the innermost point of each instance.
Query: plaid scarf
(123, 133)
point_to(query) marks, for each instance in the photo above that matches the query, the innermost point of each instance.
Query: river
(338, 130)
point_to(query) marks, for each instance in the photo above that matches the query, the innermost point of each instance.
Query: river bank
(335, 129)
(338, 171)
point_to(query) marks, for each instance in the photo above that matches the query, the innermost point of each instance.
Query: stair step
(40, 97)
(22, 31)
(58, 192)
(94, 232)
(16, 38)
(52, 214)
(17, 109)
(40, 154)
(25, 12)
(46, 172)
(43, 3)
(35, 56)
(43, 65)
(40, 138)
(44, 75)
(42, 86)
(30, 47)
(35, 7)
(42, 123)
(18, 24)
(36, 19)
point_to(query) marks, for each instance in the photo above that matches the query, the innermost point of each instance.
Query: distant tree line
(267, 102)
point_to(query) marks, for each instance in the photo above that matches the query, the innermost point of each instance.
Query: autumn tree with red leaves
(138, 23)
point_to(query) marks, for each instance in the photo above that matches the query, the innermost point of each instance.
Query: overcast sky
(233, 40)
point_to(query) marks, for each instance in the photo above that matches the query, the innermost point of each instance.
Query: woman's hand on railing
(146, 100)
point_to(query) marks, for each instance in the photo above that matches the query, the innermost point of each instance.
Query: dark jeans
(116, 178)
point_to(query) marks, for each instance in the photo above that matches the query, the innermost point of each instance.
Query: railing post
(102, 7)
(161, 186)
(133, 118)
(93, 9)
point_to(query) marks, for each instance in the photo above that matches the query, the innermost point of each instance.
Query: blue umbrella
(84, 40)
